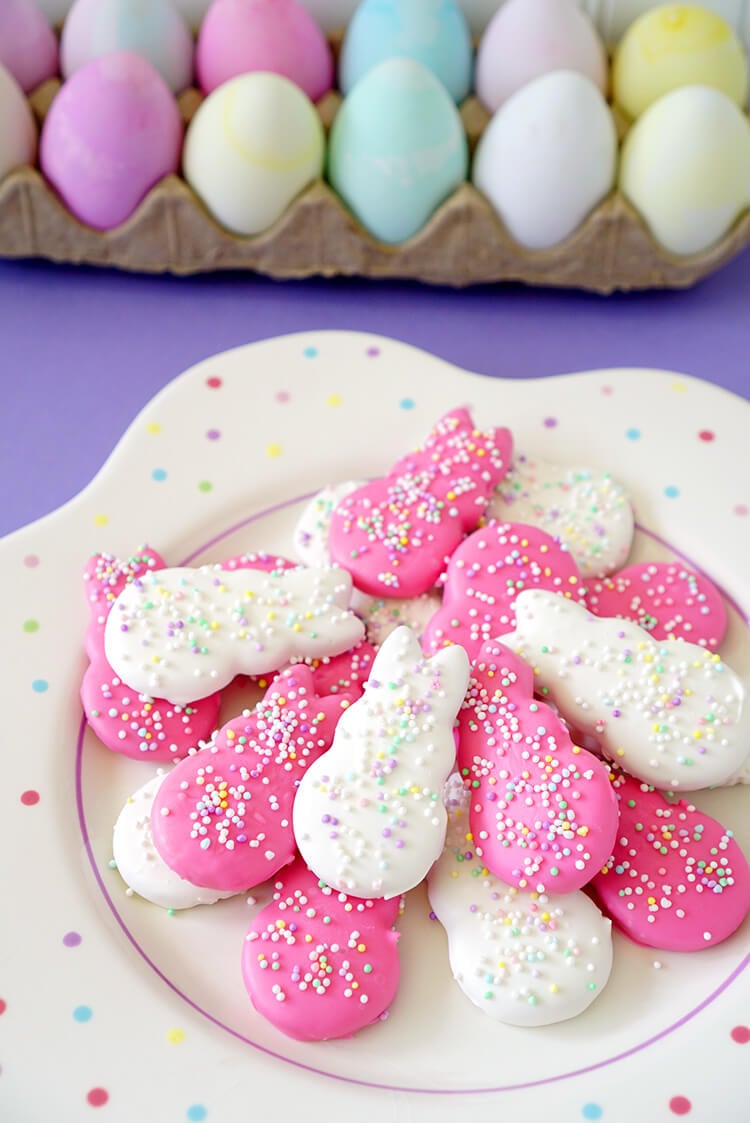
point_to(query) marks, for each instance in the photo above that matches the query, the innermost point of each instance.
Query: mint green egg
(397, 149)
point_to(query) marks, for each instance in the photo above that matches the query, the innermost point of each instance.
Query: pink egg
(112, 132)
(240, 36)
(529, 38)
(28, 47)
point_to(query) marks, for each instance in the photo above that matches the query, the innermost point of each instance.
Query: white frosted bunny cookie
(314, 524)
(141, 866)
(586, 509)
(524, 958)
(672, 713)
(369, 817)
(184, 633)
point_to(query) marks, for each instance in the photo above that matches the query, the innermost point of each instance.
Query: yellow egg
(677, 45)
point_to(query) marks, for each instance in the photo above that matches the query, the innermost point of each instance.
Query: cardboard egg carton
(464, 243)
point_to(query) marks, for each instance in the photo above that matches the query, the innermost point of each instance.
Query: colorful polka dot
(550, 422)
(741, 1034)
(31, 561)
(205, 486)
(83, 1014)
(101, 520)
(30, 798)
(678, 388)
(213, 434)
(407, 403)
(706, 435)
(283, 396)
(195, 1113)
(273, 450)
(607, 391)
(175, 1036)
(742, 509)
(153, 428)
(633, 434)
(159, 474)
(372, 352)
(40, 686)
(671, 491)
(310, 352)
(213, 382)
(97, 1097)
(591, 1111)
(333, 400)
(3, 1005)
(31, 626)
(680, 1105)
(71, 939)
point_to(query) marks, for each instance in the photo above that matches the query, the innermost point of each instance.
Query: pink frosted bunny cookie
(222, 817)
(586, 509)
(369, 817)
(318, 964)
(672, 713)
(524, 958)
(184, 633)
(127, 721)
(394, 534)
(677, 879)
(542, 810)
(486, 574)
(382, 615)
(344, 675)
(667, 599)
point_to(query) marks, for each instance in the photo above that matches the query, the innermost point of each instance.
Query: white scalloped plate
(112, 1008)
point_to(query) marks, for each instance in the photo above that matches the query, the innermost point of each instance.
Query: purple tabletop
(84, 350)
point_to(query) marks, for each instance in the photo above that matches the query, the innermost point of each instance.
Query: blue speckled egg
(397, 149)
(433, 32)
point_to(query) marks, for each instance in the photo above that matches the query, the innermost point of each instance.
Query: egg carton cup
(464, 243)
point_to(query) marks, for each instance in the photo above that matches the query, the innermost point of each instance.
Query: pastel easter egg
(112, 132)
(547, 158)
(28, 47)
(677, 45)
(255, 143)
(528, 38)
(685, 167)
(153, 29)
(242, 36)
(397, 149)
(17, 128)
(433, 32)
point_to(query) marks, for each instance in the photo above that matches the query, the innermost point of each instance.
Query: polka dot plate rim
(218, 463)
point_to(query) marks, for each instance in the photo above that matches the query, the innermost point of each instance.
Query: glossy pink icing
(667, 599)
(395, 534)
(319, 964)
(485, 575)
(28, 47)
(542, 811)
(677, 880)
(112, 133)
(280, 36)
(223, 816)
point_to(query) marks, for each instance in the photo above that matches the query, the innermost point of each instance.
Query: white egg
(18, 132)
(685, 167)
(254, 144)
(547, 158)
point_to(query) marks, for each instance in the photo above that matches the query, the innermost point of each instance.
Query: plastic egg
(397, 149)
(17, 126)
(242, 36)
(685, 167)
(528, 38)
(112, 132)
(547, 158)
(433, 32)
(677, 45)
(153, 29)
(28, 47)
(255, 143)
(192, 11)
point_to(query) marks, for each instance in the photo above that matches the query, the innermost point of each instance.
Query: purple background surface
(84, 350)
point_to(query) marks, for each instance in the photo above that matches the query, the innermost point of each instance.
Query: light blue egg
(433, 32)
(397, 149)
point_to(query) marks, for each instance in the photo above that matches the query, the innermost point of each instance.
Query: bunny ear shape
(451, 664)
(105, 577)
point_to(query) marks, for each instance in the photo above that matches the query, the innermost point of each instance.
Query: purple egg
(113, 131)
(28, 47)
